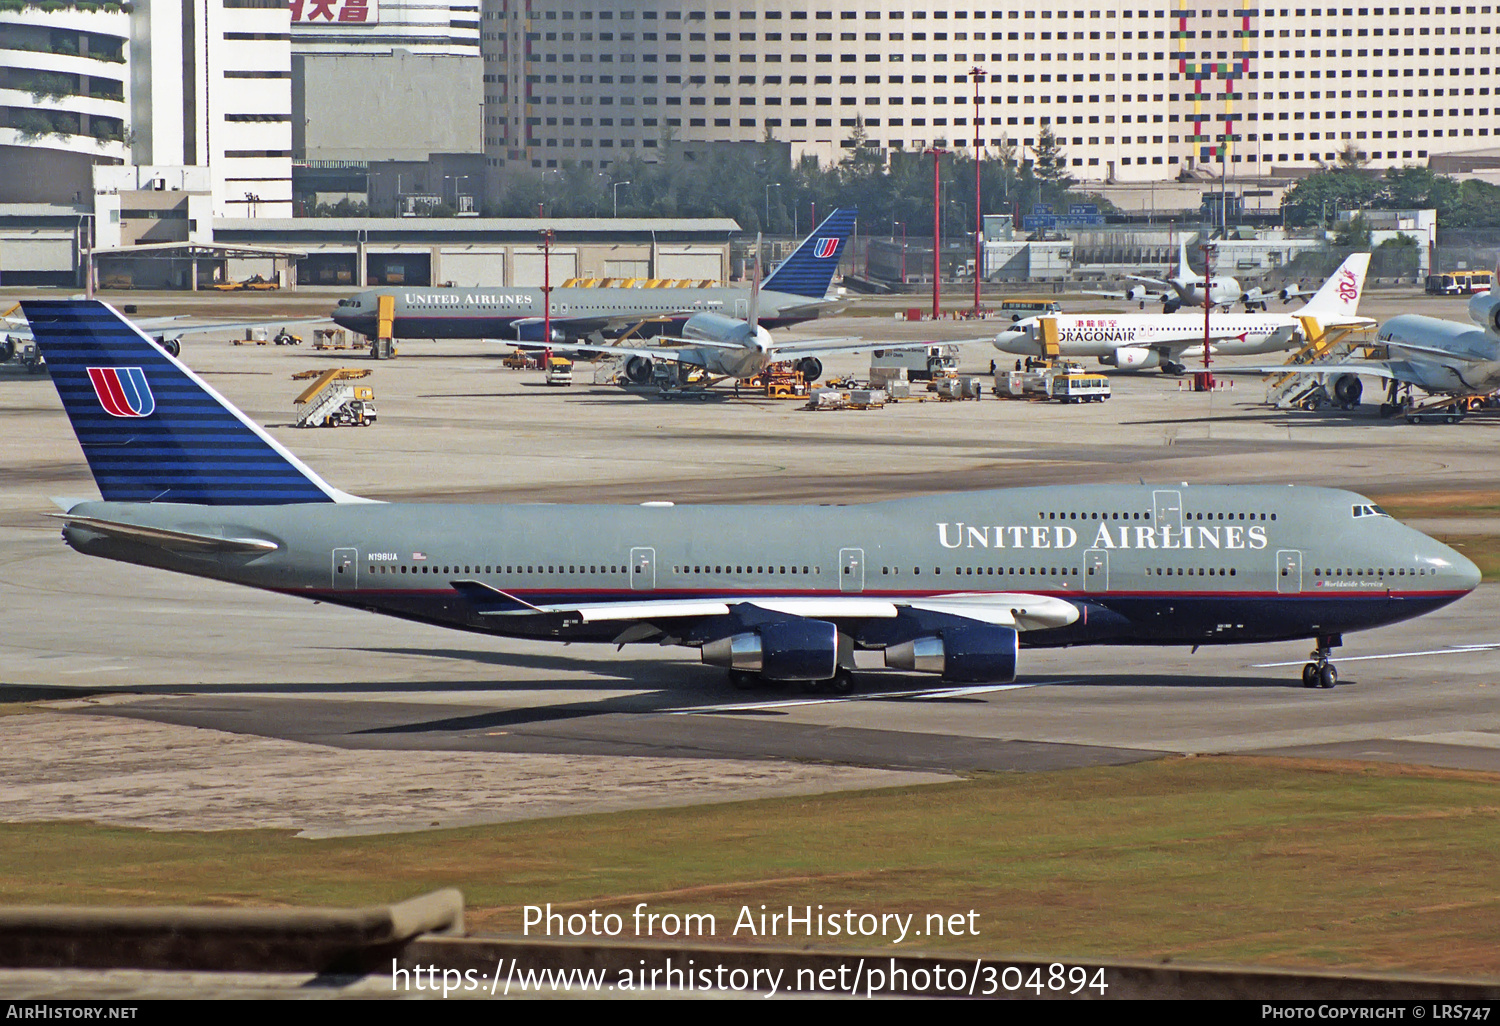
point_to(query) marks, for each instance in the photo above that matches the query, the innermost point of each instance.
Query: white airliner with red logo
(1143, 341)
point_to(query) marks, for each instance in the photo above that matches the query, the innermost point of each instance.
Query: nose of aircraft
(1014, 338)
(1467, 573)
(1457, 568)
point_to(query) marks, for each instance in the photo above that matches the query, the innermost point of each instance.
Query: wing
(1179, 341)
(819, 346)
(1024, 612)
(172, 327)
(1394, 369)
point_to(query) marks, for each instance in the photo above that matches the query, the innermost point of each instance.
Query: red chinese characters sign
(335, 12)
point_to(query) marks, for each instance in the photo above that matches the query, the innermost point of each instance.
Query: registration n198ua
(952, 585)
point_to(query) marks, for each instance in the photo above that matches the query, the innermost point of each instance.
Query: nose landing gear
(1321, 673)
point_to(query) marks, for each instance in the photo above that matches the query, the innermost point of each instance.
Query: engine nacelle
(638, 369)
(1484, 310)
(1135, 292)
(535, 331)
(1346, 389)
(981, 654)
(784, 650)
(1131, 358)
(811, 368)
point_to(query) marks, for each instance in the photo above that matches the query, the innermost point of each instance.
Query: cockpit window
(1368, 510)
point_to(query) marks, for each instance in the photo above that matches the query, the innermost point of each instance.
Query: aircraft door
(851, 570)
(642, 569)
(742, 309)
(1096, 570)
(345, 569)
(1289, 571)
(1167, 510)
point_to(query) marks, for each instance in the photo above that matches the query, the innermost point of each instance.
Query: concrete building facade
(1134, 90)
(162, 83)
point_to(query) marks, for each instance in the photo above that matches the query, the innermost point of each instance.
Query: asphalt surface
(117, 641)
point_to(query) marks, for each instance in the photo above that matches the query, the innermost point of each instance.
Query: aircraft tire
(842, 683)
(1328, 677)
(1310, 675)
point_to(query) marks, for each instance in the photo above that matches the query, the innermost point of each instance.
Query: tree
(1050, 167)
(1352, 234)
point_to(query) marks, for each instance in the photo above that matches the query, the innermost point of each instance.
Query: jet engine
(1484, 310)
(532, 329)
(1131, 358)
(780, 650)
(978, 654)
(638, 370)
(811, 368)
(1346, 390)
(1135, 292)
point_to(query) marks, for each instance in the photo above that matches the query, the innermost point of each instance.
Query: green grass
(1227, 860)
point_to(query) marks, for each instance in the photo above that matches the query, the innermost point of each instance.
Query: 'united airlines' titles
(1121, 536)
(465, 299)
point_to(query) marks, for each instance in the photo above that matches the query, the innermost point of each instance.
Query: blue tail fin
(151, 429)
(809, 270)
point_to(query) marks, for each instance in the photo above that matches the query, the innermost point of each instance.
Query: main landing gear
(1320, 673)
(842, 683)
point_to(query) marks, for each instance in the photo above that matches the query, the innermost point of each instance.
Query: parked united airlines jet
(795, 292)
(1142, 341)
(951, 585)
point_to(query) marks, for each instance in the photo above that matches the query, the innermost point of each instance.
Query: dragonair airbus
(1143, 341)
(795, 292)
(951, 585)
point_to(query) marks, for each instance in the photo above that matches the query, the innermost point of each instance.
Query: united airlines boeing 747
(951, 585)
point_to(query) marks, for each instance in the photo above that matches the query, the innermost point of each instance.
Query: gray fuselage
(1144, 565)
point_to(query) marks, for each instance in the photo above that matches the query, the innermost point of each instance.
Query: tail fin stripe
(810, 269)
(150, 428)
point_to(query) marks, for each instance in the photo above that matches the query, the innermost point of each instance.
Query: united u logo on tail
(826, 248)
(123, 391)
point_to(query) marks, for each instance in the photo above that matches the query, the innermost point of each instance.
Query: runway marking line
(923, 694)
(1456, 650)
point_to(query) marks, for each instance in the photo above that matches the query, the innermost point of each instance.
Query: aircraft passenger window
(804, 569)
(1231, 571)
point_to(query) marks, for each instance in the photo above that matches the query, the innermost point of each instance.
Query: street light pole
(977, 74)
(769, 187)
(903, 246)
(616, 190)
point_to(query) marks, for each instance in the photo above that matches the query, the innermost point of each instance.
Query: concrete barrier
(318, 940)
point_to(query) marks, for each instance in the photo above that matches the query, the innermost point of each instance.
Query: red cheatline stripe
(107, 388)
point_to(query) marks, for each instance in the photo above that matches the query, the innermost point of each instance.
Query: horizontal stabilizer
(166, 538)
